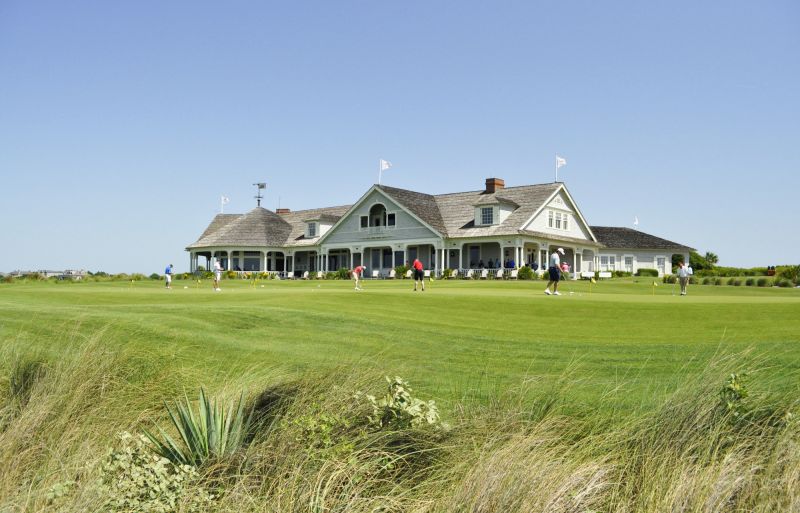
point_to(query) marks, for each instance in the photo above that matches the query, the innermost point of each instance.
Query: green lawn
(457, 338)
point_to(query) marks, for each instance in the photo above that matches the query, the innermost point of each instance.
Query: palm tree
(711, 258)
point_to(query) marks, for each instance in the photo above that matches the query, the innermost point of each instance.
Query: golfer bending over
(555, 272)
(419, 274)
(358, 272)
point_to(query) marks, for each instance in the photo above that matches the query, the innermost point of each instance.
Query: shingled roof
(628, 238)
(458, 209)
(424, 206)
(259, 227)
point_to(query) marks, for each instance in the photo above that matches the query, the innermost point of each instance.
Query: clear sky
(122, 123)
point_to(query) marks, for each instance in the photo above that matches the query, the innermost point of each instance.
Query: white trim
(546, 204)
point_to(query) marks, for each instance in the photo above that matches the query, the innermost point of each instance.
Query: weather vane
(261, 186)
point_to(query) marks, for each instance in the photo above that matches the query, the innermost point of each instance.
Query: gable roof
(422, 205)
(458, 209)
(615, 237)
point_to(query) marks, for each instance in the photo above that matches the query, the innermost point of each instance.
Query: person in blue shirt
(168, 275)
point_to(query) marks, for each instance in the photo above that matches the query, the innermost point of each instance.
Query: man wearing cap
(555, 272)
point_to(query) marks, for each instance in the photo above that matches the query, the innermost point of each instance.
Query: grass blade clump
(216, 432)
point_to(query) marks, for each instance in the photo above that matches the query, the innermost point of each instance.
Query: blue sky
(122, 123)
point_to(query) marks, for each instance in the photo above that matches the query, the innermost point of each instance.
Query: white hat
(560, 250)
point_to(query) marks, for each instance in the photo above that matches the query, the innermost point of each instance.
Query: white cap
(560, 250)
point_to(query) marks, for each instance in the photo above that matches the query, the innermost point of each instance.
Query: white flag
(225, 200)
(635, 220)
(560, 162)
(385, 164)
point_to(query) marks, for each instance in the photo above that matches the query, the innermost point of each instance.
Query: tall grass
(311, 447)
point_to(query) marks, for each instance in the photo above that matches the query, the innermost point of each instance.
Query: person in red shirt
(357, 274)
(419, 274)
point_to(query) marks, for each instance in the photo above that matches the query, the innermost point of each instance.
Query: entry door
(376, 258)
(661, 264)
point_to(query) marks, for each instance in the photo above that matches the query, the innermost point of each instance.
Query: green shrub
(791, 273)
(447, 273)
(620, 274)
(401, 271)
(750, 282)
(155, 276)
(230, 275)
(736, 282)
(135, 480)
(398, 409)
(670, 278)
(694, 280)
(708, 281)
(138, 277)
(733, 394)
(717, 281)
(526, 273)
(343, 274)
(214, 433)
(763, 282)
(784, 283)
(647, 272)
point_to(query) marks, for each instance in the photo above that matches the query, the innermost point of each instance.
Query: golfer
(684, 271)
(168, 276)
(419, 274)
(555, 272)
(358, 273)
(217, 275)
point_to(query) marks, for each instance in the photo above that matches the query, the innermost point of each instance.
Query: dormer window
(312, 229)
(487, 215)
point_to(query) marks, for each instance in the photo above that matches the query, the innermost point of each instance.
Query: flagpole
(380, 171)
(556, 169)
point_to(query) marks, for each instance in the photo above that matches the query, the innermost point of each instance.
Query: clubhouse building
(388, 227)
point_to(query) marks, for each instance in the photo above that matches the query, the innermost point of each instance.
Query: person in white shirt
(217, 275)
(684, 271)
(555, 272)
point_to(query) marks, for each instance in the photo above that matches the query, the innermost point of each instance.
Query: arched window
(377, 215)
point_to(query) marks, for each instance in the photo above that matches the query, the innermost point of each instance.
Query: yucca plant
(213, 433)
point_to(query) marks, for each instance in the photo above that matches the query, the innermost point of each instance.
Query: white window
(603, 262)
(487, 215)
(558, 220)
(550, 218)
(566, 222)
(629, 264)
(612, 262)
(312, 229)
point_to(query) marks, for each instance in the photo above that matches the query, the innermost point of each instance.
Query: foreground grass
(537, 448)
(459, 339)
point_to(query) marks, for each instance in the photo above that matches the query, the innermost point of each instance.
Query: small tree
(711, 258)
(697, 261)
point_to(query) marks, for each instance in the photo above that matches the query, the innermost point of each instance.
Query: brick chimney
(494, 184)
(283, 210)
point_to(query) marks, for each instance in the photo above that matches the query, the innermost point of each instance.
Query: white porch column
(351, 258)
